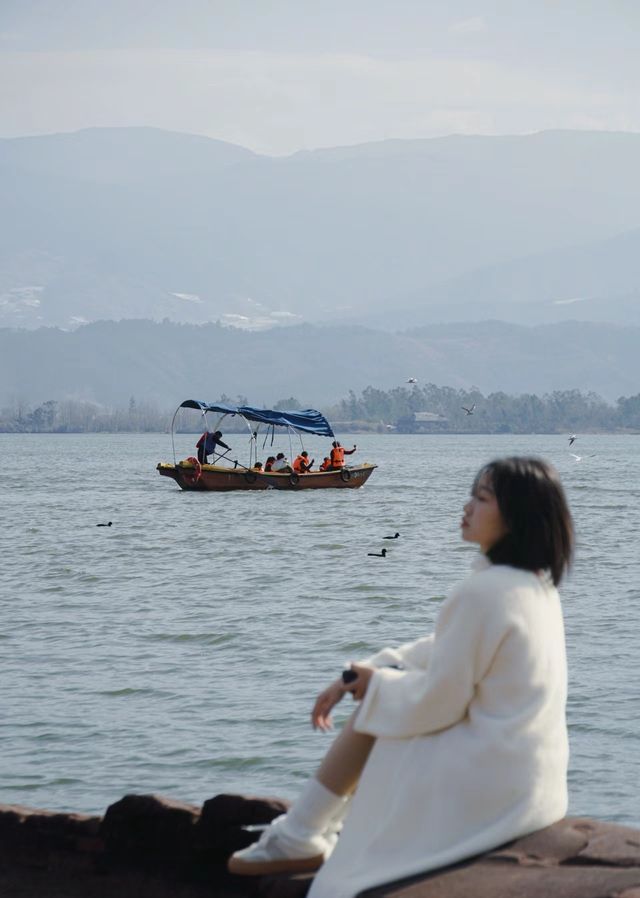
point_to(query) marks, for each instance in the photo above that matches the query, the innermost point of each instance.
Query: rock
(150, 830)
(284, 886)
(33, 832)
(148, 845)
(575, 858)
(619, 845)
(235, 810)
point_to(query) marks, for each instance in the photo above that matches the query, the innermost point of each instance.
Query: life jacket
(326, 464)
(337, 457)
(299, 464)
(268, 465)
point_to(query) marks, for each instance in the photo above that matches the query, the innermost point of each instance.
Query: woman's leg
(344, 762)
(302, 839)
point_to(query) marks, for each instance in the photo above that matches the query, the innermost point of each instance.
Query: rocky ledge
(147, 846)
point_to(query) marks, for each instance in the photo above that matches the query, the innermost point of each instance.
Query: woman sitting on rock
(459, 742)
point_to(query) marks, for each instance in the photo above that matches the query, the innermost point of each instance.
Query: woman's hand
(326, 701)
(329, 698)
(358, 688)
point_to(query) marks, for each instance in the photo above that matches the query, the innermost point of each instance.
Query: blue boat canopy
(309, 420)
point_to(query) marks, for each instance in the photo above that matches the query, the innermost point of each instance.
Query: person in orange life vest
(326, 464)
(302, 464)
(338, 453)
(207, 443)
(269, 462)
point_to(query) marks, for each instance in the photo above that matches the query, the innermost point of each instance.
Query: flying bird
(377, 554)
(412, 380)
(395, 536)
(572, 439)
(580, 457)
(469, 411)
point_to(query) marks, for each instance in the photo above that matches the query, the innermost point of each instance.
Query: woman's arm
(408, 655)
(402, 704)
(414, 655)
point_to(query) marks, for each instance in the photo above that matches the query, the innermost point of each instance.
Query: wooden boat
(225, 475)
(221, 479)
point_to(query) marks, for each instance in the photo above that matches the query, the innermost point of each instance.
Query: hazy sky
(282, 75)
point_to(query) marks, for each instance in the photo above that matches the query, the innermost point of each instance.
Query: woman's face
(482, 522)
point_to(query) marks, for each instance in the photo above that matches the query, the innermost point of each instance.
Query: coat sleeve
(404, 703)
(409, 655)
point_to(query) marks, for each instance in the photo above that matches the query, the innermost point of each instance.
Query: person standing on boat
(459, 742)
(207, 443)
(338, 453)
(301, 464)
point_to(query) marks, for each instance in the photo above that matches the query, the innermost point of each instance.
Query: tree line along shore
(428, 409)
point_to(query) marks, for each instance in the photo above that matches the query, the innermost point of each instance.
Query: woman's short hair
(535, 511)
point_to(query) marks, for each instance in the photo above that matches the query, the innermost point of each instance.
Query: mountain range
(108, 362)
(141, 223)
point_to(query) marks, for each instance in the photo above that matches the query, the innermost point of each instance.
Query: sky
(279, 76)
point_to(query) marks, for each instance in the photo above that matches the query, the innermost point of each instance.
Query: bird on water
(377, 554)
(105, 525)
(395, 536)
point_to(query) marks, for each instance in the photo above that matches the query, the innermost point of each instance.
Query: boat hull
(218, 479)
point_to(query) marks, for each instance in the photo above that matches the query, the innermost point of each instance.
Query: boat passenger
(281, 464)
(301, 464)
(326, 464)
(206, 445)
(257, 466)
(459, 742)
(338, 453)
(269, 463)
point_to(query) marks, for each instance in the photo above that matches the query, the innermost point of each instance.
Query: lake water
(179, 651)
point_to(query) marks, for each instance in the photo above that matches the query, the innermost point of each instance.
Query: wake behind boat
(229, 474)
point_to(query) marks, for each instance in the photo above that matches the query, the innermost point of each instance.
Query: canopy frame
(304, 421)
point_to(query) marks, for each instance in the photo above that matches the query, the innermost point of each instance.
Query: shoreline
(149, 845)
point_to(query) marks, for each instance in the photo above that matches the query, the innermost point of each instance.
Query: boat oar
(218, 457)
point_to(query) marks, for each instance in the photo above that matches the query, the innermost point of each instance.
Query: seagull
(572, 439)
(105, 525)
(469, 411)
(377, 554)
(412, 380)
(580, 457)
(395, 536)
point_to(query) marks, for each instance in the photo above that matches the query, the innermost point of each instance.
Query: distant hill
(130, 223)
(597, 281)
(108, 362)
(119, 155)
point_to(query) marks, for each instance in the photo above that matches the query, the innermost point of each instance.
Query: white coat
(471, 749)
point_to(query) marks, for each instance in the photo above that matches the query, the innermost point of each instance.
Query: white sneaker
(273, 853)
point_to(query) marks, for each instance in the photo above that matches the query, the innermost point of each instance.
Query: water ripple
(181, 649)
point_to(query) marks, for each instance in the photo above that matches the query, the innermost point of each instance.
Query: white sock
(337, 819)
(311, 813)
